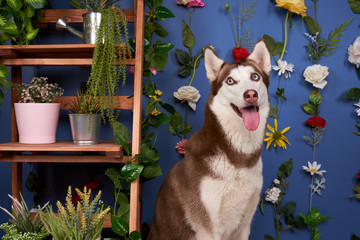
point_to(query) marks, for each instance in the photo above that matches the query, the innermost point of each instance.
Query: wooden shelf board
(60, 158)
(61, 146)
(50, 55)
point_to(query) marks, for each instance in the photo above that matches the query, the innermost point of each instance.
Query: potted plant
(36, 116)
(81, 221)
(21, 225)
(85, 121)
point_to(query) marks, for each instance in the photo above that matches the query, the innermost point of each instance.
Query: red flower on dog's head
(316, 121)
(240, 53)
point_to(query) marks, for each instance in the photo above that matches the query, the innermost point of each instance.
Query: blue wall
(338, 153)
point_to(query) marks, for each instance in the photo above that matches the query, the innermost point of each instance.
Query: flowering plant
(38, 91)
(284, 213)
(22, 226)
(242, 35)
(188, 94)
(84, 221)
(276, 137)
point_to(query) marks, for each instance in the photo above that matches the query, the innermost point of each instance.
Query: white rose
(354, 52)
(272, 195)
(316, 75)
(189, 94)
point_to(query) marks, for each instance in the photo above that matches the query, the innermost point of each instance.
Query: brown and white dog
(213, 192)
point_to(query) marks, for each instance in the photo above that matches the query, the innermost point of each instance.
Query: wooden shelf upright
(74, 55)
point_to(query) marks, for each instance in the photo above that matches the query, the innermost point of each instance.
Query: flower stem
(285, 39)
(277, 217)
(236, 36)
(186, 115)
(279, 99)
(194, 68)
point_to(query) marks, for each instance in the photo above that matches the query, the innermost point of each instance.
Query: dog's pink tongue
(251, 118)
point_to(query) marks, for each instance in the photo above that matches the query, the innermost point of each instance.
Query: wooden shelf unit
(74, 55)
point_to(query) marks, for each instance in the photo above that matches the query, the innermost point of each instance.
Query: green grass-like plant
(109, 61)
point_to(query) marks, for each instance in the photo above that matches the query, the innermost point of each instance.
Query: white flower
(358, 109)
(284, 68)
(272, 195)
(316, 75)
(276, 182)
(313, 168)
(354, 52)
(189, 94)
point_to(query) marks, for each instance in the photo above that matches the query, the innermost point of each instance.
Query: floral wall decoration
(189, 62)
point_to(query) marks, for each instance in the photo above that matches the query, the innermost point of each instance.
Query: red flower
(239, 53)
(93, 185)
(358, 176)
(75, 198)
(316, 121)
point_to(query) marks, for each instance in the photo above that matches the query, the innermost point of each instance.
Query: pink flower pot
(37, 122)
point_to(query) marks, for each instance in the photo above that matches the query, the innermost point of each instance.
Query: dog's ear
(261, 55)
(212, 63)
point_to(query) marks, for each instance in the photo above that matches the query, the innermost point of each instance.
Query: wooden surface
(74, 15)
(120, 102)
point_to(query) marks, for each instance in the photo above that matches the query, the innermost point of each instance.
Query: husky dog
(213, 192)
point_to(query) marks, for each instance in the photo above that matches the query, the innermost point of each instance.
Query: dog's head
(239, 90)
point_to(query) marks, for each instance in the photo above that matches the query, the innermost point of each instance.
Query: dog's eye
(230, 81)
(255, 77)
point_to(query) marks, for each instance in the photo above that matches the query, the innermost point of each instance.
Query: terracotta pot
(37, 122)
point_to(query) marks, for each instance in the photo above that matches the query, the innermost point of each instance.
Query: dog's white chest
(227, 197)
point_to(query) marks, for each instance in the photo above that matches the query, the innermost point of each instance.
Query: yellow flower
(158, 92)
(276, 136)
(294, 6)
(155, 112)
(226, 7)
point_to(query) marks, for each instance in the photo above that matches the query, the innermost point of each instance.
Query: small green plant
(110, 50)
(84, 104)
(21, 225)
(92, 5)
(84, 221)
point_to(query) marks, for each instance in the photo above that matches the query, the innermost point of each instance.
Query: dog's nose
(251, 96)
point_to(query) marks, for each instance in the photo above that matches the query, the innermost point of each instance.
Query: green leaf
(188, 36)
(29, 11)
(31, 182)
(309, 108)
(38, 4)
(170, 109)
(315, 97)
(1, 97)
(312, 25)
(162, 48)
(122, 136)
(261, 205)
(135, 235)
(270, 43)
(119, 225)
(159, 62)
(15, 4)
(159, 30)
(353, 93)
(175, 123)
(317, 234)
(10, 28)
(355, 5)
(30, 35)
(4, 72)
(273, 111)
(150, 106)
(268, 237)
(161, 119)
(290, 207)
(151, 171)
(334, 39)
(357, 188)
(354, 237)
(185, 71)
(131, 171)
(285, 169)
(278, 49)
(314, 218)
(115, 175)
(163, 12)
(185, 129)
(147, 150)
(182, 56)
(357, 133)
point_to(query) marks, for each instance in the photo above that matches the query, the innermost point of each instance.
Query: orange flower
(294, 6)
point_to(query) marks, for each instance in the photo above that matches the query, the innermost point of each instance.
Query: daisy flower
(313, 168)
(276, 136)
(357, 110)
(284, 68)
